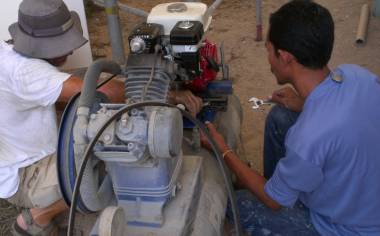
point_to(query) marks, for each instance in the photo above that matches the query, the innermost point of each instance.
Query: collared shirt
(28, 127)
(332, 161)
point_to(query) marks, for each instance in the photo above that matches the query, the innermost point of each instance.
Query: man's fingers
(277, 98)
(191, 102)
(196, 101)
(280, 94)
(199, 103)
(190, 105)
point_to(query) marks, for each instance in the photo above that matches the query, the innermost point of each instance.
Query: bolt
(124, 119)
(181, 106)
(134, 112)
(103, 109)
(123, 123)
(107, 138)
(92, 116)
(131, 146)
(179, 186)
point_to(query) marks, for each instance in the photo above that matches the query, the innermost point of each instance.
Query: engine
(156, 184)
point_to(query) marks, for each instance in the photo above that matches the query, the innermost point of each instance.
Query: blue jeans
(278, 122)
(257, 219)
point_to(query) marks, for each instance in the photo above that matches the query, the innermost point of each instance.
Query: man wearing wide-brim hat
(30, 84)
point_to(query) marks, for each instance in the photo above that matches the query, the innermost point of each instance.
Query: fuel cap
(177, 8)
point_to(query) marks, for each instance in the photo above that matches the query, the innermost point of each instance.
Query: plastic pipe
(361, 35)
(124, 7)
(134, 11)
(259, 22)
(99, 3)
(212, 8)
(114, 31)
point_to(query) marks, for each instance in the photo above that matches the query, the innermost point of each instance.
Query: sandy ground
(234, 24)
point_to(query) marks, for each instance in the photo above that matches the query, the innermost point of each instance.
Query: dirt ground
(234, 25)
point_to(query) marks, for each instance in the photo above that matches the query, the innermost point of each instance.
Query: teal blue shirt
(332, 161)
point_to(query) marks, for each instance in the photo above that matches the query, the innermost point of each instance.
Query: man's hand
(193, 103)
(216, 136)
(246, 176)
(288, 98)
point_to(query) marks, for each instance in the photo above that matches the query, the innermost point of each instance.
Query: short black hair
(306, 30)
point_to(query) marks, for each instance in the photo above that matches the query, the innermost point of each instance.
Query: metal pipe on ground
(132, 10)
(125, 8)
(259, 22)
(361, 34)
(114, 31)
(376, 8)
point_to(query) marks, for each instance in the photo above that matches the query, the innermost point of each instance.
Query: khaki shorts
(38, 184)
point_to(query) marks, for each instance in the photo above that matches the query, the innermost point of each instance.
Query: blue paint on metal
(65, 158)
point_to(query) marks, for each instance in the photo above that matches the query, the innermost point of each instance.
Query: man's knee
(281, 119)
(38, 186)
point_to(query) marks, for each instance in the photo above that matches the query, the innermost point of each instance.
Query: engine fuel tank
(168, 14)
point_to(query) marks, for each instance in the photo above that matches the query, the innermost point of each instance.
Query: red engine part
(209, 50)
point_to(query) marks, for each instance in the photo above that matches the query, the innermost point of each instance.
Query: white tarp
(81, 57)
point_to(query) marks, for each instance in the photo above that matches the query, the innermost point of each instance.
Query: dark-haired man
(327, 181)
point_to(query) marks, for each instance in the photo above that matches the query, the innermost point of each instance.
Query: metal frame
(116, 37)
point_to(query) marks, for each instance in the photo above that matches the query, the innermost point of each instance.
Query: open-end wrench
(257, 103)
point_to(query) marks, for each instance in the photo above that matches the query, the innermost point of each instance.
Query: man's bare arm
(247, 177)
(114, 89)
(250, 179)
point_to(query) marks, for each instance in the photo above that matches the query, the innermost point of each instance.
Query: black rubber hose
(105, 81)
(127, 108)
(96, 68)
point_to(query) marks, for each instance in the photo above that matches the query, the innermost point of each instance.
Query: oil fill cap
(185, 25)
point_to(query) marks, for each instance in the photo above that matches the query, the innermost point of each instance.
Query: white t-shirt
(28, 126)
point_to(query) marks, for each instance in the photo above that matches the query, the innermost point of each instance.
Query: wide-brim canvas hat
(46, 29)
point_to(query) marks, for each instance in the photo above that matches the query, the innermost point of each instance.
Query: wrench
(257, 103)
